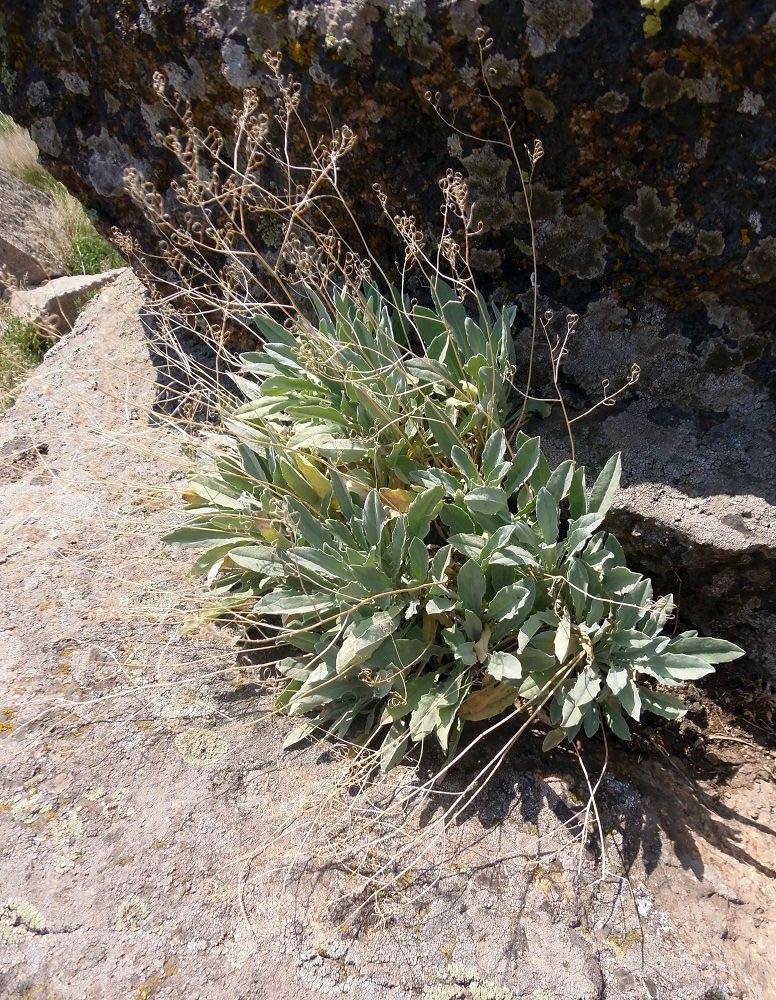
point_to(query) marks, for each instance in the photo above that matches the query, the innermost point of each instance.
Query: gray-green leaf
(547, 515)
(363, 636)
(605, 487)
(504, 667)
(471, 586)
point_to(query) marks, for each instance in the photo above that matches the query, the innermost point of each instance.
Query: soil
(155, 842)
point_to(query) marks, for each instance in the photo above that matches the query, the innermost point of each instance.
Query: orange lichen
(266, 6)
(301, 52)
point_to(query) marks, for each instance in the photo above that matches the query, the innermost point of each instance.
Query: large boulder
(55, 305)
(654, 202)
(30, 251)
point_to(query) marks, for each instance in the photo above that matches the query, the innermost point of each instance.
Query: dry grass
(18, 153)
(69, 232)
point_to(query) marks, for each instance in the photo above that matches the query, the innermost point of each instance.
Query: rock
(56, 304)
(716, 554)
(698, 514)
(659, 135)
(653, 206)
(654, 203)
(29, 248)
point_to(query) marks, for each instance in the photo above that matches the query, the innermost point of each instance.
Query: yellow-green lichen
(66, 834)
(200, 747)
(653, 20)
(18, 918)
(131, 914)
(461, 983)
(405, 22)
(30, 809)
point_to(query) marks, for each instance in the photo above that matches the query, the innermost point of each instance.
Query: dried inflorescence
(246, 222)
(258, 218)
(256, 215)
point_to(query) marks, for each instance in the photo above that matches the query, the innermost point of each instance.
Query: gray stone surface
(28, 238)
(656, 185)
(56, 303)
(156, 843)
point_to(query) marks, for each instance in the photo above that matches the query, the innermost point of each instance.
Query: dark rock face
(654, 203)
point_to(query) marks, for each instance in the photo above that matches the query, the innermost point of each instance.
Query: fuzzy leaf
(395, 746)
(471, 586)
(299, 735)
(578, 585)
(592, 720)
(547, 515)
(417, 553)
(363, 636)
(373, 517)
(605, 487)
(493, 455)
(470, 546)
(423, 509)
(586, 688)
(679, 666)
(614, 720)
(662, 704)
(630, 699)
(523, 465)
(456, 519)
(617, 678)
(513, 555)
(311, 560)
(441, 563)
(441, 605)
(581, 530)
(504, 667)
(487, 500)
(404, 701)
(285, 602)
(465, 465)
(428, 716)
(200, 535)
(559, 482)
(510, 602)
(553, 739)
(710, 650)
(562, 639)
(578, 494)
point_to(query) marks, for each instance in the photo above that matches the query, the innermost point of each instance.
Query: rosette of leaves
(423, 566)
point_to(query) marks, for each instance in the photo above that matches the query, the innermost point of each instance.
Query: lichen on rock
(574, 244)
(18, 918)
(550, 21)
(131, 913)
(760, 262)
(487, 176)
(201, 747)
(659, 89)
(653, 221)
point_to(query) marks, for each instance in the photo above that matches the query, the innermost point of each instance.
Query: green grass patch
(89, 253)
(38, 177)
(21, 350)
